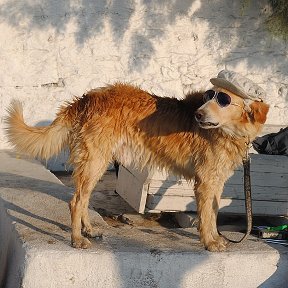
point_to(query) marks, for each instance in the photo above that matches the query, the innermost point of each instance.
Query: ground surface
(134, 251)
(117, 213)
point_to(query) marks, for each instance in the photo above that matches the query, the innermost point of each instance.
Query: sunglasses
(222, 99)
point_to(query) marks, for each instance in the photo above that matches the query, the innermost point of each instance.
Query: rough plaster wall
(51, 50)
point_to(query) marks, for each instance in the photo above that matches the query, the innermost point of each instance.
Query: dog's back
(127, 121)
(132, 126)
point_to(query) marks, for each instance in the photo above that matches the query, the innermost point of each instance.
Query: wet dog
(201, 138)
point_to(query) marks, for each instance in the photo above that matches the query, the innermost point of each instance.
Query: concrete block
(35, 249)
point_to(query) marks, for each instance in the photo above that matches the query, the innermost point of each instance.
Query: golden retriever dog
(191, 137)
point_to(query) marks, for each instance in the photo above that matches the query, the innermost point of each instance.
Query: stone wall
(52, 50)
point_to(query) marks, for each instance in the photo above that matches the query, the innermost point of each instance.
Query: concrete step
(35, 246)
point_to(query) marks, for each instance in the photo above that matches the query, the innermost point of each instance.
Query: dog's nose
(199, 115)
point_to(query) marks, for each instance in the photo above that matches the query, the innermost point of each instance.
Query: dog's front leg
(208, 195)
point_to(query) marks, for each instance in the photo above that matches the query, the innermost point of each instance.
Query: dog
(195, 137)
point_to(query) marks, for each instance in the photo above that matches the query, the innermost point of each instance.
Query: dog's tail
(38, 142)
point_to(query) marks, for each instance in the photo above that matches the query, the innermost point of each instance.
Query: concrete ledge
(35, 245)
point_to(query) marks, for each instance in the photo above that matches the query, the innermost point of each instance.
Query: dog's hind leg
(86, 174)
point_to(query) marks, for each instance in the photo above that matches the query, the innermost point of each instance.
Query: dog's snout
(199, 115)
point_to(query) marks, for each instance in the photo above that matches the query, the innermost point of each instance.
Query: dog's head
(234, 115)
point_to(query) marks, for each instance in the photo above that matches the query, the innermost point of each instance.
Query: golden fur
(124, 123)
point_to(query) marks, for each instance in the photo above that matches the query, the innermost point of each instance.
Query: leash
(247, 191)
(248, 199)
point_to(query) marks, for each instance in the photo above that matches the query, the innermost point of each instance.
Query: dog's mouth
(208, 125)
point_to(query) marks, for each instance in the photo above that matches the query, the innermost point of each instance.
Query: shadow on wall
(90, 17)
(241, 27)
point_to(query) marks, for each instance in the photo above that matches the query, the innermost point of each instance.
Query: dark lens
(223, 99)
(208, 95)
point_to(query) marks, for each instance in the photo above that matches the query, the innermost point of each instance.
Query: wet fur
(124, 123)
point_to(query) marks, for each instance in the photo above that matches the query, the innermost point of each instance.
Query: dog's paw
(222, 240)
(82, 243)
(93, 232)
(217, 246)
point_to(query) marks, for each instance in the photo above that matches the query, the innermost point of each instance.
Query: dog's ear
(259, 111)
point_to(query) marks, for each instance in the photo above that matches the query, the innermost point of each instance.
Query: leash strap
(248, 198)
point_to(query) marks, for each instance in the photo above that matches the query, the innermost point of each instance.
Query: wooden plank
(260, 208)
(275, 189)
(269, 163)
(131, 189)
(170, 203)
(262, 179)
(174, 203)
(171, 191)
(232, 191)
(181, 184)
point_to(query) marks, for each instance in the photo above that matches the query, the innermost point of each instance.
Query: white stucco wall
(52, 50)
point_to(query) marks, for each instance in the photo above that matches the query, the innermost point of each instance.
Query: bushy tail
(38, 142)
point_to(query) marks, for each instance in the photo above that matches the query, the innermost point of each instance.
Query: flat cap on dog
(239, 85)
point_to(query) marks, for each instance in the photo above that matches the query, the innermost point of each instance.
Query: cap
(239, 85)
